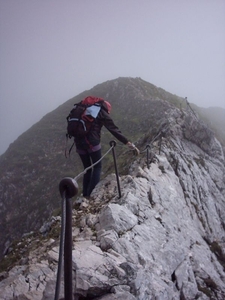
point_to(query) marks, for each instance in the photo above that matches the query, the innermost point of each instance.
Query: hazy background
(51, 50)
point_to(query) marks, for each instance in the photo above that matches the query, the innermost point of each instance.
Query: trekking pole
(113, 144)
(68, 188)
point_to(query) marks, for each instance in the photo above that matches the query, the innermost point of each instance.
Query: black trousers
(92, 176)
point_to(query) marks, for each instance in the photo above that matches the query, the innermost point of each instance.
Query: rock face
(163, 239)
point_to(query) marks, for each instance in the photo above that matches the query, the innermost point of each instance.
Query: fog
(52, 50)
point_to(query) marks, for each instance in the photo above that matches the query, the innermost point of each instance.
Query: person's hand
(133, 148)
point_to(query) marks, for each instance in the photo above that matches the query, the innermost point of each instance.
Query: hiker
(89, 147)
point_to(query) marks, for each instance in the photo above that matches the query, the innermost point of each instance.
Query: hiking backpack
(83, 114)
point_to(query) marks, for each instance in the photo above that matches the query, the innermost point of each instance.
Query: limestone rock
(163, 239)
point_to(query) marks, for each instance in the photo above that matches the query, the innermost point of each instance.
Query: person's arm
(110, 125)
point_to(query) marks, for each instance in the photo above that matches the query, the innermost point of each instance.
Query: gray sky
(51, 50)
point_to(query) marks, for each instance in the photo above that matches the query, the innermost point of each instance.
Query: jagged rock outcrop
(163, 239)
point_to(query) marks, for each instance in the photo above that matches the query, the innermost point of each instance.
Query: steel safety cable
(85, 170)
(161, 131)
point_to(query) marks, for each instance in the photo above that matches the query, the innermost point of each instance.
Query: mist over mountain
(179, 200)
(215, 119)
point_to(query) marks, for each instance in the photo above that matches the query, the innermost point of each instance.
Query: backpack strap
(67, 136)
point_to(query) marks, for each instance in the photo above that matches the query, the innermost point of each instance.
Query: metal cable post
(68, 188)
(68, 272)
(113, 144)
(160, 144)
(61, 247)
(148, 147)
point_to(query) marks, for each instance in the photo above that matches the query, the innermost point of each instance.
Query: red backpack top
(90, 100)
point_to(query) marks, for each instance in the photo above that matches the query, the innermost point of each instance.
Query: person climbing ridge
(88, 146)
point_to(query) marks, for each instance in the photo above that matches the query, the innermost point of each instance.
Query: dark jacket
(93, 138)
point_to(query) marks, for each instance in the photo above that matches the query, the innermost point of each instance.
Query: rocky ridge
(163, 239)
(32, 166)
